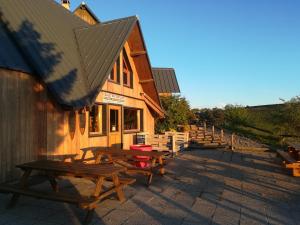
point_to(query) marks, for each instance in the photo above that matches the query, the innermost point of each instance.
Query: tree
(287, 118)
(177, 111)
(236, 115)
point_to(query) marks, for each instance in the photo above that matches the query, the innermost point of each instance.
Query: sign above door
(113, 99)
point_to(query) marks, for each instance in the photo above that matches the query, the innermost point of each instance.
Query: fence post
(186, 140)
(222, 136)
(213, 132)
(232, 141)
(146, 139)
(204, 128)
(173, 142)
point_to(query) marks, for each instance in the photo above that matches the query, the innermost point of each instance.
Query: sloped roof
(43, 30)
(109, 38)
(71, 57)
(10, 57)
(83, 5)
(56, 49)
(166, 81)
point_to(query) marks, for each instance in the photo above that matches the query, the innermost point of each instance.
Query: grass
(267, 138)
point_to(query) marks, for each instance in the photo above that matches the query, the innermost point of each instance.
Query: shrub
(177, 111)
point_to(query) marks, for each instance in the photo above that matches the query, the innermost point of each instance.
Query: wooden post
(146, 139)
(186, 141)
(222, 136)
(173, 143)
(204, 128)
(213, 132)
(232, 141)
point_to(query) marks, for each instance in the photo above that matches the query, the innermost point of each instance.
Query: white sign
(114, 99)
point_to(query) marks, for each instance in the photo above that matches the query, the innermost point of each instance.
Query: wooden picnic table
(291, 158)
(127, 158)
(52, 169)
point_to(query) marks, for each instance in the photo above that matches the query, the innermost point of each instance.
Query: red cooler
(146, 148)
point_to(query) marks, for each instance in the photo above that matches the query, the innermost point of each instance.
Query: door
(114, 127)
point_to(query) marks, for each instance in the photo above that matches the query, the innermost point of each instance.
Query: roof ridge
(120, 19)
(163, 68)
(106, 23)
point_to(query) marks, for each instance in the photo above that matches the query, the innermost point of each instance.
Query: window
(114, 120)
(127, 71)
(97, 115)
(114, 75)
(133, 119)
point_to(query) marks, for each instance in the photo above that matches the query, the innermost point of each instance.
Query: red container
(145, 148)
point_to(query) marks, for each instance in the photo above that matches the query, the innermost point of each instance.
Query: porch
(200, 187)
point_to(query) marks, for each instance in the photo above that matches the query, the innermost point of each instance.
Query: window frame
(116, 71)
(129, 72)
(140, 120)
(104, 121)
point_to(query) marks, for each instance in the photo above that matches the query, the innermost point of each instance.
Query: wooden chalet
(166, 81)
(69, 81)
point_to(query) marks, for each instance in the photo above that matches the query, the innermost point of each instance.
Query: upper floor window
(114, 75)
(127, 71)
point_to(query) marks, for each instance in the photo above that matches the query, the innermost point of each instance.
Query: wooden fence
(169, 141)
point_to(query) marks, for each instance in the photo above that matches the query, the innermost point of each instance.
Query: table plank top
(100, 150)
(77, 169)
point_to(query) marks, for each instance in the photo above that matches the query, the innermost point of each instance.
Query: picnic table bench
(98, 173)
(294, 150)
(289, 162)
(127, 158)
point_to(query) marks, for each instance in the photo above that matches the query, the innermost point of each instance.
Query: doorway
(114, 127)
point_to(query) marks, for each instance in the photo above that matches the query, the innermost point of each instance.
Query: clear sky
(224, 51)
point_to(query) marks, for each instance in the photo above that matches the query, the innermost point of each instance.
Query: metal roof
(10, 57)
(59, 52)
(109, 38)
(165, 80)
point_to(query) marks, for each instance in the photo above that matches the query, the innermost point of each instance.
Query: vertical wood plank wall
(84, 15)
(21, 121)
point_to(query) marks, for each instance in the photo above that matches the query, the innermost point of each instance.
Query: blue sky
(224, 51)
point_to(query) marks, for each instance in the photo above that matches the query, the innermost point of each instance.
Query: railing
(169, 141)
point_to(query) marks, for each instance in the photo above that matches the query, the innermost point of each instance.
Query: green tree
(178, 112)
(287, 118)
(236, 115)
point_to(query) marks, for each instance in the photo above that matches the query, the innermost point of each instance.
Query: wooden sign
(114, 99)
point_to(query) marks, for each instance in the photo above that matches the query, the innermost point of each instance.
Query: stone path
(201, 187)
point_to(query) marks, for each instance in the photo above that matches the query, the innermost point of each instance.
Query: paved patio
(200, 187)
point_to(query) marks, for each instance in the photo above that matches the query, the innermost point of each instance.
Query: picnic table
(98, 173)
(291, 158)
(127, 158)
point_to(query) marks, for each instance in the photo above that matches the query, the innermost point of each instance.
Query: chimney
(66, 4)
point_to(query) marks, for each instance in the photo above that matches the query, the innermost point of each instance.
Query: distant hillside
(274, 125)
(266, 107)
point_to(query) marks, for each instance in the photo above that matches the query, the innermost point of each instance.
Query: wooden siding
(19, 100)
